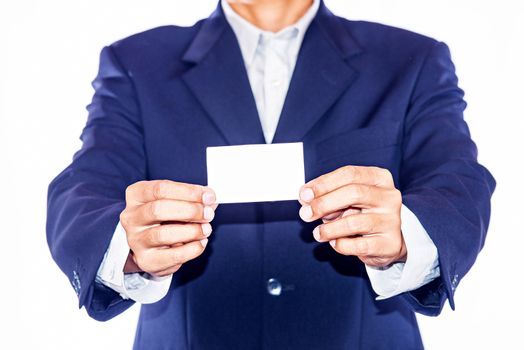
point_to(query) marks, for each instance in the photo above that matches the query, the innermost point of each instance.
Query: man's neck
(271, 15)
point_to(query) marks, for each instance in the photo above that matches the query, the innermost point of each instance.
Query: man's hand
(167, 224)
(360, 208)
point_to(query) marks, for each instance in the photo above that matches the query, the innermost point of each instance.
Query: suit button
(274, 287)
(454, 282)
(76, 283)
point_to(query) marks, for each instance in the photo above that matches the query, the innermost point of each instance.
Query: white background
(48, 57)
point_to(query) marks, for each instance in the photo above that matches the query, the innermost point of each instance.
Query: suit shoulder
(168, 34)
(383, 38)
(165, 41)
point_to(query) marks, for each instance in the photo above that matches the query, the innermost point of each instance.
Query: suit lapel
(219, 81)
(321, 75)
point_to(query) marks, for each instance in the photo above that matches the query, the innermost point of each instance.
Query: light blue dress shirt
(269, 59)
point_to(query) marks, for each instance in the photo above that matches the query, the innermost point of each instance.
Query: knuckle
(385, 174)
(369, 223)
(377, 170)
(396, 196)
(131, 190)
(128, 192)
(356, 191)
(319, 206)
(348, 170)
(319, 185)
(353, 223)
(156, 236)
(194, 210)
(197, 190)
(145, 263)
(124, 218)
(155, 208)
(177, 257)
(160, 189)
(361, 247)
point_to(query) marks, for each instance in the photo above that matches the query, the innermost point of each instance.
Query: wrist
(130, 265)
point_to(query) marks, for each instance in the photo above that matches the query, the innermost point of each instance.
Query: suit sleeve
(86, 199)
(441, 181)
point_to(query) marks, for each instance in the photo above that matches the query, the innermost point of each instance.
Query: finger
(171, 210)
(377, 261)
(158, 260)
(353, 225)
(380, 247)
(168, 235)
(353, 195)
(340, 213)
(148, 191)
(332, 216)
(326, 183)
(351, 211)
(168, 271)
(361, 246)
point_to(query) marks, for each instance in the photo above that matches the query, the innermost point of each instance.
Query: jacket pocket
(362, 140)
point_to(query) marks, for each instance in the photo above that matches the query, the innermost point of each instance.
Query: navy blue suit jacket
(361, 94)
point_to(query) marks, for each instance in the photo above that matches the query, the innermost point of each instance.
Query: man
(393, 214)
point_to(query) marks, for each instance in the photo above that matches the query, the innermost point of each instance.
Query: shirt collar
(248, 35)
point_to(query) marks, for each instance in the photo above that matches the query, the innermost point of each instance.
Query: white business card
(256, 173)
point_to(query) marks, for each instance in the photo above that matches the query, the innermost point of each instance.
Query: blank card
(256, 173)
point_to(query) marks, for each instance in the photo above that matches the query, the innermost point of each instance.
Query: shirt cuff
(140, 287)
(420, 268)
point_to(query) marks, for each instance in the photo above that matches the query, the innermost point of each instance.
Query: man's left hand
(360, 210)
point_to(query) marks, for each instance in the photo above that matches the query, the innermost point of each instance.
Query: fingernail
(203, 242)
(333, 243)
(316, 233)
(207, 229)
(208, 198)
(209, 213)
(305, 212)
(306, 194)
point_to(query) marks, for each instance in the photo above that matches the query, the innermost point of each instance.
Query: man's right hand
(167, 224)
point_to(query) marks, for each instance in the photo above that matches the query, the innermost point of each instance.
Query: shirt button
(274, 287)
(276, 82)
